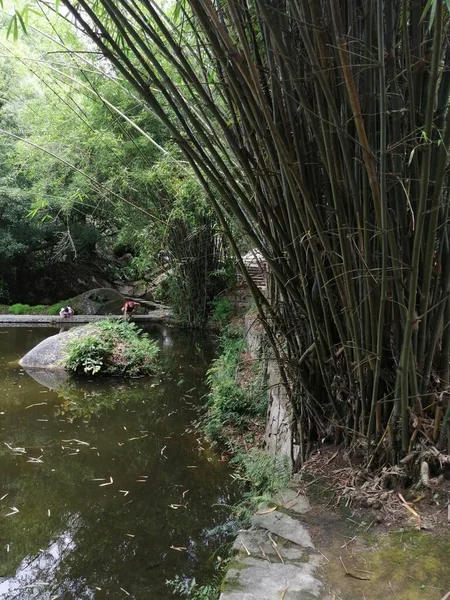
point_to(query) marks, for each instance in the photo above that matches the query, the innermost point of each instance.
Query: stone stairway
(275, 559)
(257, 269)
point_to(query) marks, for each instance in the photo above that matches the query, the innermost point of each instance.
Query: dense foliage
(91, 183)
(112, 348)
(238, 395)
(323, 129)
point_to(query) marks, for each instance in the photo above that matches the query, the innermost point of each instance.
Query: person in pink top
(128, 308)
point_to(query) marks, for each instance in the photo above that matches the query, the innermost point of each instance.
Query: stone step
(275, 558)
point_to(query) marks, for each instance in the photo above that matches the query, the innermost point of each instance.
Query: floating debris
(37, 404)
(110, 482)
(17, 450)
(14, 511)
(77, 441)
(138, 438)
(35, 460)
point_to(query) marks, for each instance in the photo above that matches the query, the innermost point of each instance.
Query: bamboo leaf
(10, 26)
(427, 8)
(22, 20)
(179, 5)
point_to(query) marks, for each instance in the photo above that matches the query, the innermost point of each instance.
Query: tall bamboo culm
(320, 127)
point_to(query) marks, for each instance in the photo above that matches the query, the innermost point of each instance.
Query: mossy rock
(100, 301)
(104, 348)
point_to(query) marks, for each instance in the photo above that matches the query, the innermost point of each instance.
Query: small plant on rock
(112, 348)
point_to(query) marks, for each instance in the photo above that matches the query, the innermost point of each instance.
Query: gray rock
(124, 289)
(290, 500)
(54, 379)
(284, 526)
(101, 301)
(139, 288)
(258, 543)
(50, 352)
(255, 579)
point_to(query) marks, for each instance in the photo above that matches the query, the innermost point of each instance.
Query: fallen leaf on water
(35, 460)
(77, 441)
(37, 404)
(14, 511)
(125, 493)
(19, 450)
(178, 548)
(140, 437)
(110, 482)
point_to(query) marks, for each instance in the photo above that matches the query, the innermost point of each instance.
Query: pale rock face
(50, 352)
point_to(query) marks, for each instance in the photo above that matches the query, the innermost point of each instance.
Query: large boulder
(100, 301)
(50, 352)
(107, 348)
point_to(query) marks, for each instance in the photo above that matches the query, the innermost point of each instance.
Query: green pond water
(105, 490)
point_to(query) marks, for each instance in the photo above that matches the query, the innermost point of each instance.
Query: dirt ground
(379, 540)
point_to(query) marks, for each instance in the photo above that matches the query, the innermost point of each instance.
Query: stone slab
(255, 579)
(290, 500)
(258, 543)
(284, 526)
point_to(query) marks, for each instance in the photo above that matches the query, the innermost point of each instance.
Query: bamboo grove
(320, 127)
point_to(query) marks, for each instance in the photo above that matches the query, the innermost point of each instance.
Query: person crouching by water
(66, 312)
(128, 308)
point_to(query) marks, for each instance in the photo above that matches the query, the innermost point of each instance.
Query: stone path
(275, 559)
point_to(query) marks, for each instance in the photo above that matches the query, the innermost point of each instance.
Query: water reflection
(112, 495)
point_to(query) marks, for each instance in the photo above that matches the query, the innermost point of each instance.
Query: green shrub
(229, 403)
(38, 309)
(88, 354)
(54, 310)
(265, 473)
(262, 475)
(112, 348)
(188, 588)
(19, 309)
(222, 310)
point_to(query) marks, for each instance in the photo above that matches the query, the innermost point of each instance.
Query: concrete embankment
(156, 316)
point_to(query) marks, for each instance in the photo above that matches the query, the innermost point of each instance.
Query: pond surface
(105, 492)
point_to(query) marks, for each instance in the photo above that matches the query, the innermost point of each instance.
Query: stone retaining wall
(278, 437)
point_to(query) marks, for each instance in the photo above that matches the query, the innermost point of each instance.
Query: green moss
(414, 564)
